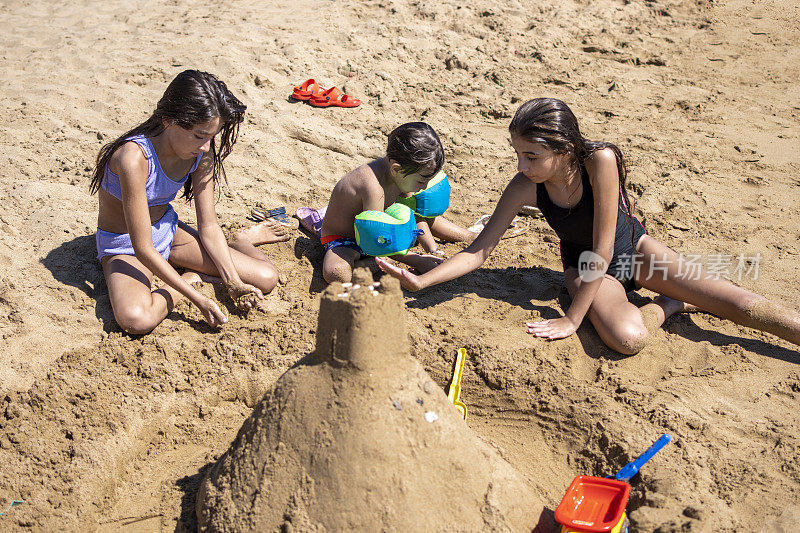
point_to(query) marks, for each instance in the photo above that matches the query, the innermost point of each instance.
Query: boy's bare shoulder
(359, 181)
(362, 176)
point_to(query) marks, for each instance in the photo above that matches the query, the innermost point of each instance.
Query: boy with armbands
(362, 217)
(428, 205)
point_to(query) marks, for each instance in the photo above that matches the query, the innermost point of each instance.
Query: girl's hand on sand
(244, 295)
(211, 312)
(557, 328)
(408, 280)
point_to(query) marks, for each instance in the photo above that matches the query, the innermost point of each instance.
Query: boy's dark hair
(192, 98)
(415, 145)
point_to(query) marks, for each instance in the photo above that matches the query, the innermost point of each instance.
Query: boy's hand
(408, 280)
(424, 263)
(433, 250)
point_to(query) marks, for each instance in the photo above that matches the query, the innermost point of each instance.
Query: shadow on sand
(74, 263)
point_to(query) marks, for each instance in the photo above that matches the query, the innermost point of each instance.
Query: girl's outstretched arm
(604, 177)
(520, 191)
(213, 239)
(132, 167)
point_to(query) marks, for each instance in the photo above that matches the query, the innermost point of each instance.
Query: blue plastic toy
(431, 201)
(390, 232)
(597, 505)
(13, 503)
(630, 469)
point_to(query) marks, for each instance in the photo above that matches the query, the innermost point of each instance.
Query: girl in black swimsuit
(573, 225)
(579, 186)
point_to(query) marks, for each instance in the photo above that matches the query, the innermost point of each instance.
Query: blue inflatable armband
(433, 200)
(390, 232)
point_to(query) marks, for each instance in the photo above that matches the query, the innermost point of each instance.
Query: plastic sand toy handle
(630, 469)
(14, 503)
(454, 391)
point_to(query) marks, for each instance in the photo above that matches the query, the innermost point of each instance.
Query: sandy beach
(103, 431)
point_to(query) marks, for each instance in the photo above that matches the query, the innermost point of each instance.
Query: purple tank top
(159, 187)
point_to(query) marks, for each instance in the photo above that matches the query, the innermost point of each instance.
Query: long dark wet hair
(192, 98)
(550, 122)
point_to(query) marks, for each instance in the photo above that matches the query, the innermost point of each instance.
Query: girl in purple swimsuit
(579, 186)
(181, 145)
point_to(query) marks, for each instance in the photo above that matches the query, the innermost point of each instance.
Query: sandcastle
(357, 437)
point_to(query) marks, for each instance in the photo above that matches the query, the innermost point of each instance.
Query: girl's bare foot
(266, 232)
(191, 277)
(672, 306)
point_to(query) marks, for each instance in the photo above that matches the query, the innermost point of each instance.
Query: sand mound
(358, 437)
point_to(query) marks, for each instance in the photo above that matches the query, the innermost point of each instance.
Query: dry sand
(99, 430)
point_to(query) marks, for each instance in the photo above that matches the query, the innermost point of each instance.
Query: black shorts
(622, 262)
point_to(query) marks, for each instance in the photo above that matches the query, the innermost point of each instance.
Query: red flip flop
(334, 97)
(307, 90)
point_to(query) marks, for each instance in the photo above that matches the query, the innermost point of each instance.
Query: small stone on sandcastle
(356, 437)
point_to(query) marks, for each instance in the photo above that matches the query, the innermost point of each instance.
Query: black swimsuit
(574, 226)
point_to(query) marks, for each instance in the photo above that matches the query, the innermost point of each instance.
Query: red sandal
(307, 90)
(334, 97)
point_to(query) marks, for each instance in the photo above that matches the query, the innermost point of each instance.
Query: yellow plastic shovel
(454, 391)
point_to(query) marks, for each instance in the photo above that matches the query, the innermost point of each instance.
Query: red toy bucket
(593, 504)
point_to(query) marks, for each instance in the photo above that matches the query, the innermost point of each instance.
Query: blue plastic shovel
(14, 503)
(630, 469)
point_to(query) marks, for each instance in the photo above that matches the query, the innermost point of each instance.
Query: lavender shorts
(120, 243)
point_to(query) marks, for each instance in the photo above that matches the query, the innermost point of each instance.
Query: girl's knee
(135, 319)
(267, 278)
(629, 339)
